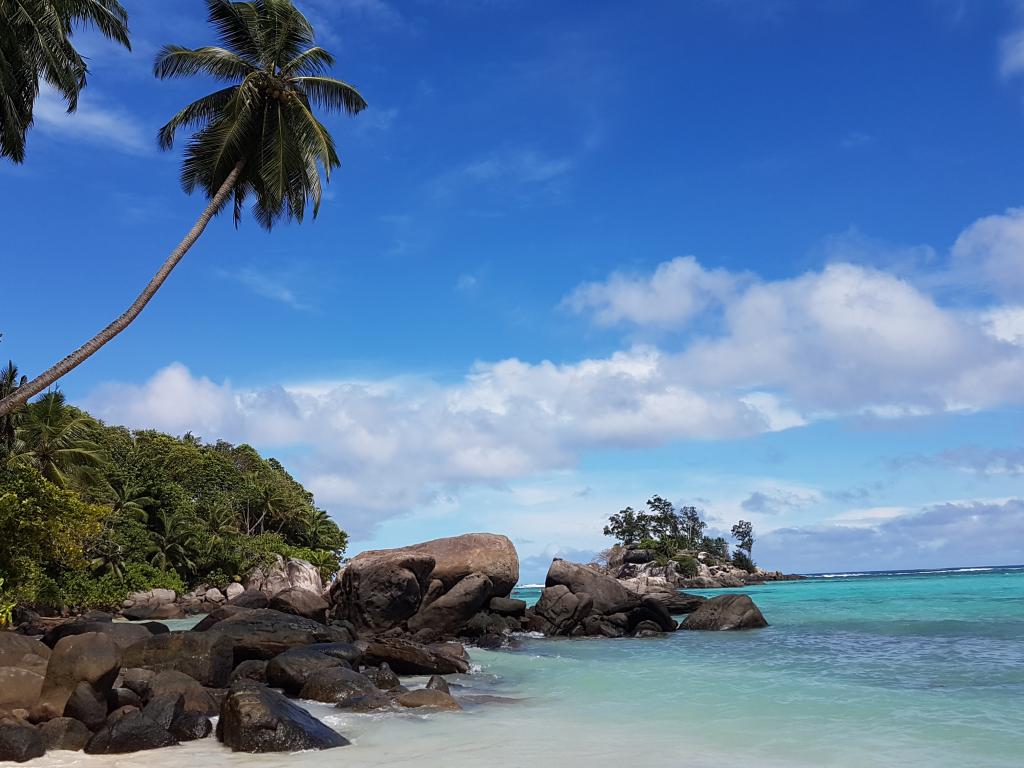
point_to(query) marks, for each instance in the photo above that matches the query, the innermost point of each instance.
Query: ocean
(906, 668)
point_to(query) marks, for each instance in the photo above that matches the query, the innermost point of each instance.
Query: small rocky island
(109, 686)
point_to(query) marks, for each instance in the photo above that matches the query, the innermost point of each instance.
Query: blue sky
(765, 256)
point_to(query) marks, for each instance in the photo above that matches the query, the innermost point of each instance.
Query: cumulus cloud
(676, 291)
(979, 533)
(844, 340)
(380, 448)
(992, 249)
(972, 459)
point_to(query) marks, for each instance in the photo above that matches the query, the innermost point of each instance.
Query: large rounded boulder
(608, 594)
(91, 658)
(258, 719)
(207, 657)
(381, 589)
(726, 612)
(263, 633)
(489, 554)
(453, 609)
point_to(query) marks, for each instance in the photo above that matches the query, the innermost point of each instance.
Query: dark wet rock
(438, 683)
(257, 719)
(383, 677)
(652, 610)
(20, 742)
(559, 611)
(91, 658)
(250, 598)
(346, 627)
(507, 606)
(677, 603)
(153, 612)
(204, 656)
(607, 594)
(122, 634)
(426, 697)
(117, 714)
(372, 701)
(132, 733)
(490, 641)
(647, 628)
(191, 726)
(20, 688)
(291, 669)
(155, 627)
(300, 602)
(254, 670)
(64, 733)
(336, 684)
(264, 633)
(615, 625)
(347, 652)
(163, 709)
(455, 607)
(196, 698)
(123, 697)
(409, 658)
(138, 681)
(87, 705)
(726, 612)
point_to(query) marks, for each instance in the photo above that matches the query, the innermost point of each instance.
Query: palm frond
(196, 114)
(177, 61)
(313, 61)
(331, 94)
(237, 25)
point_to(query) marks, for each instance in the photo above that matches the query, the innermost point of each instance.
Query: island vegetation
(91, 512)
(678, 535)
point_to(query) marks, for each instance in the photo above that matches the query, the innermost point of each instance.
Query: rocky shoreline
(112, 687)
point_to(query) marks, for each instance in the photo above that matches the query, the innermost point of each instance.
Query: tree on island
(35, 46)
(743, 532)
(256, 139)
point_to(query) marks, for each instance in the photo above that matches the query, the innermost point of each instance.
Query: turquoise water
(894, 670)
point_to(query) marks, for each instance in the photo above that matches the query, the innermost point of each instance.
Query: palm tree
(54, 438)
(173, 542)
(35, 45)
(9, 382)
(129, 499)
(256, 138)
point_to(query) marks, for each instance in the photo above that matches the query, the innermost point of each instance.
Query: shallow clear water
(891, 670)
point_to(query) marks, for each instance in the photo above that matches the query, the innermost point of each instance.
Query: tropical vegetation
(90, 512)
(36, 48)
(678, 534)
(257, 140)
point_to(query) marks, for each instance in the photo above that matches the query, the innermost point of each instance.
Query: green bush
(742, 560)
(688, 566)
(81, 590)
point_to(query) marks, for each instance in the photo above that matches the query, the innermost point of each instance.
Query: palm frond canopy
(265, 119)
(35, 47)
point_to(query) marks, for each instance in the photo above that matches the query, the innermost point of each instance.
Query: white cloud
(94, 122)
(676, 291)
(841, 341)
(992, 249)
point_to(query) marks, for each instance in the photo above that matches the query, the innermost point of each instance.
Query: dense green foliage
(667, 531)
(35, 46)
(90, 512)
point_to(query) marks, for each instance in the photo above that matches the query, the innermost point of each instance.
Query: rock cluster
(110, 687)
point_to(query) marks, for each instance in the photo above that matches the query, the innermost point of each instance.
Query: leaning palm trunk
(21, 395)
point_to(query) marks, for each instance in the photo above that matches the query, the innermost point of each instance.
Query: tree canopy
(90, 511)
